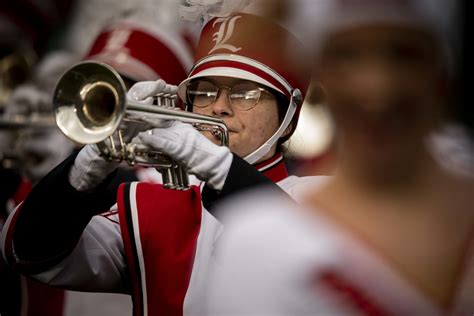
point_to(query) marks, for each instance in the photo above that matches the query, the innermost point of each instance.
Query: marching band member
(156, 244)
(138, 50)
(391, 233)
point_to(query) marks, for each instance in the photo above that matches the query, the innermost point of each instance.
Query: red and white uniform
(33, 298)
(159, 249)
(158, 245)
(280, 258)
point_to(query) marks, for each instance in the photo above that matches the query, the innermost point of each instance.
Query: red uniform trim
(400, 274)
(126, 225)
(352, 295)
(22, 191)
(9, 253)
(273, 168)
(43, 299)
(169, 223)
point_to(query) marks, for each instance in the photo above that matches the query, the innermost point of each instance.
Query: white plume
(203, 10)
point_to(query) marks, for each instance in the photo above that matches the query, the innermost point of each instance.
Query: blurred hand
(28, 99)
(37, 150)
(36, 96)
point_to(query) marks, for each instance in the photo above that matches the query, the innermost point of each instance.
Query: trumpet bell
(90, 103)
(77, 95)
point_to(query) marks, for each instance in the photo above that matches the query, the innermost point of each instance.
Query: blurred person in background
(391, 233)
(157, 244)
(311, 149)
(139, 48)
(133, 43)
(25, 29)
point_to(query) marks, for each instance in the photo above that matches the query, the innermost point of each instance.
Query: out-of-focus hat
(141, 52)
(316, 20)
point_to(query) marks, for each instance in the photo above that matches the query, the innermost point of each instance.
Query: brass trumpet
(90, 107)
(15, 69)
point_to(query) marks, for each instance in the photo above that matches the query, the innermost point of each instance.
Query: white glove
(90, 169)
(27, 99)
(145, 90)
(35, 96)
(201, 157)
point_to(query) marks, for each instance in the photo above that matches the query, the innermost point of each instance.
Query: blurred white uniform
(280, 258)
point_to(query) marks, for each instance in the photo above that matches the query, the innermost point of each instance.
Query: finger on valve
(144, 91)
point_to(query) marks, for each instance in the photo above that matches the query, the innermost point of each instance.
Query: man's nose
(222, 106)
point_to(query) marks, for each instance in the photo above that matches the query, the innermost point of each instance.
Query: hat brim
(225, 72)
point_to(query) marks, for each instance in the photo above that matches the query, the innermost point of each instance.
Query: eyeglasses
(243, 96)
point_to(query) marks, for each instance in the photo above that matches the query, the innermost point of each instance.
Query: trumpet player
(41, 148)
(155, 243)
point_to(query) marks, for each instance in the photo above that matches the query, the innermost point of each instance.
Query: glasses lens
(245, 96)
(201, 93)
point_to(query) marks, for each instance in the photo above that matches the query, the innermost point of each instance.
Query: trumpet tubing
(90, 107)
(34, 120)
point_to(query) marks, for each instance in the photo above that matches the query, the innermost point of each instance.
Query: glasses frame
(220, 87)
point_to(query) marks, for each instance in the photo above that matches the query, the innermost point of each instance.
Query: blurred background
(39, 40)
(44, 38)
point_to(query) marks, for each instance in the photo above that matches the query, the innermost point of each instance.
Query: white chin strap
(257, 154)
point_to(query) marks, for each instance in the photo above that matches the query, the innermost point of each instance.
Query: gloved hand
(35, 96)
(143, 92)
(201, 157)
(90, 169)
(39, 149)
